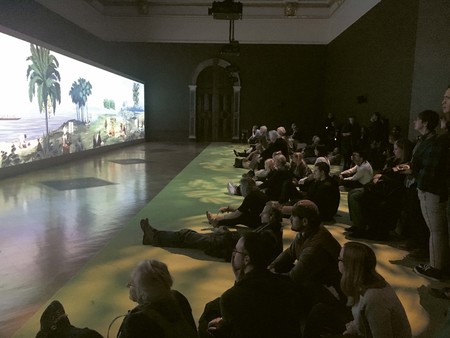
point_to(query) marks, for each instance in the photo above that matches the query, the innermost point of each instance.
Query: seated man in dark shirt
(247, 213)
(219, 243)
(311, 259)
(260, 304)
(323, 191)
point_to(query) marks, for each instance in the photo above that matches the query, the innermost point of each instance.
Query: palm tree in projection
(43, 82)
(79, 93)
(136, 87)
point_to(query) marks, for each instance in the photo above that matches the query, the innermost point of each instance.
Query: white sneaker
(231, 188)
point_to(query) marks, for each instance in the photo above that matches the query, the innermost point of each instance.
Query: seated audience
(311, 259)
(323, 190)
(299, 169)
(260, 304)
(358, 175)
(376, 309)
(276, 144)
(162, 311)
(276, 185)
(219, 243)
(376, 210)
(335, 157)
(55, 324)
(247, 213)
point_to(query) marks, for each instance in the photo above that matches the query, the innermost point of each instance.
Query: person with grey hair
(161, 311)
(276, 186)
(276, 144)
(247, 213)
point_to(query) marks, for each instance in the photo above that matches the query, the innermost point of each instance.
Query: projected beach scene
(54, 105)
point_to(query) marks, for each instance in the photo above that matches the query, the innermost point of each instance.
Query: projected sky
(54, 105)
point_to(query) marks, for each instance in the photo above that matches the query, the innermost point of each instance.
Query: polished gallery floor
(54, 220)
(71, 232)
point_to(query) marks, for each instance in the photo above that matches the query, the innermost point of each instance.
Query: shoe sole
(426, 276)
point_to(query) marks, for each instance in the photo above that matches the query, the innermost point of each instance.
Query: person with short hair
(247, 213)
(260, 304)
(311, 259)
(162, 311)
(429, 167)
(358, 175)
(219, 243)
(377, 311)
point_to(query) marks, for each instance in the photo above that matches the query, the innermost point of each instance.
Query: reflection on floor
(54, 220)
(47, 234)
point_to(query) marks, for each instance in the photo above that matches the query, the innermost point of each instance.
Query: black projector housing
(226, 10)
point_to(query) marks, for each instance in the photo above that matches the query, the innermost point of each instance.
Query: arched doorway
(214, 102)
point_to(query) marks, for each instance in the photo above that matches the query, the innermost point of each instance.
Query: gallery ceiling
(189, 21)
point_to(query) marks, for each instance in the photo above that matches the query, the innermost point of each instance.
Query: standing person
(429, 167)
(261, 304)
(350, 134)
(377, 311)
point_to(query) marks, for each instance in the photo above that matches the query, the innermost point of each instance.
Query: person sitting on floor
(299, 168)
(162, 311)
(311, 259)
(358, 175)
(276, 144)
(323, 191)
(375, 210)
(376, 309)
(55, 324)
(259, 176)
(275, 185)
(260, 304)
(219, 243)
(247, 213)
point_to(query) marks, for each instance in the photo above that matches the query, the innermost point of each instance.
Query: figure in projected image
(221, 241)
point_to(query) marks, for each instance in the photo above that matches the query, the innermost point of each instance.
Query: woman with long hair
(377, 311)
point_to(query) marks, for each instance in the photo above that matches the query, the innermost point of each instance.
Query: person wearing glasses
(160, 312)
(260, 304)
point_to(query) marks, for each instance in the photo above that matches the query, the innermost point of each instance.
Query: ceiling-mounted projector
(226, 10)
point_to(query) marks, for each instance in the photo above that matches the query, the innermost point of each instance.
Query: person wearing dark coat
(260, 304)
(311, 259)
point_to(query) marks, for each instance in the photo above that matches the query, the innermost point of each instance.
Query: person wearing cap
(311, 259)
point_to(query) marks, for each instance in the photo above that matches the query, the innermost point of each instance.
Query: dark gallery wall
(432, 57)
(370, 65)
(377, 64)
(280, 83)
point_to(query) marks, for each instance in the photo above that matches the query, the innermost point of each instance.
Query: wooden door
(214, 105)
